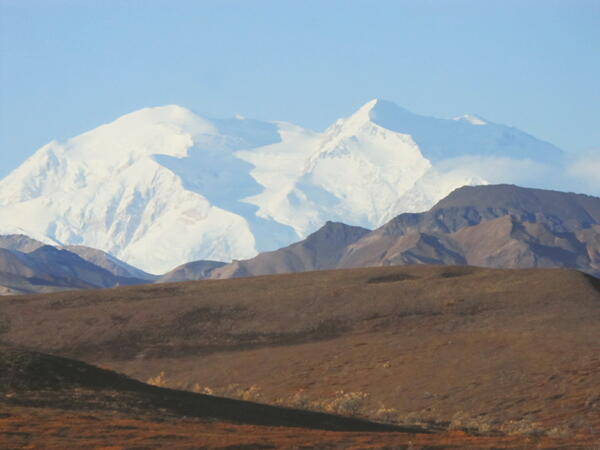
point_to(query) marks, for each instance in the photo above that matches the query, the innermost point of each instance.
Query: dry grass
(513, 347)
(51, 428)
(159, 380)
(355, 404)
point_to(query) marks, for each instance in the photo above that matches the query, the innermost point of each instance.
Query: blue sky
(68, 66)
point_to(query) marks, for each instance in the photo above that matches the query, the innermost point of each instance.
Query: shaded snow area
(162, 186)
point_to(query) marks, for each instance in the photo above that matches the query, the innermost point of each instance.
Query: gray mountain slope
(19, 242)
(107, 261)
(195, 270)
(441, 139)
(50, 269)
(493, 226)
(25, 244)
(320, 250)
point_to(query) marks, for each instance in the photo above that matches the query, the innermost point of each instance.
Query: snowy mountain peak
(163, 186)
(364, 112)
(166, 130)
(473, 119)
(373, 111)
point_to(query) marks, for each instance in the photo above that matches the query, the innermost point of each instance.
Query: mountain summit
(163, 186)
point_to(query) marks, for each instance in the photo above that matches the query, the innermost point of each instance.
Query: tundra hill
(37, 379)
(55, 402)
(482, 349)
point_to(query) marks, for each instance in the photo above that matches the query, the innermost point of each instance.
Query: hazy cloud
(496, 170)
(584, 170)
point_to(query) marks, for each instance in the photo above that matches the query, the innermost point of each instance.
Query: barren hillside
(481, 349)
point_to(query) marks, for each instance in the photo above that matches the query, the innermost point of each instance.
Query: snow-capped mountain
(162, 186)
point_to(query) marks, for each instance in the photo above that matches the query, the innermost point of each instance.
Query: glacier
(163, 186)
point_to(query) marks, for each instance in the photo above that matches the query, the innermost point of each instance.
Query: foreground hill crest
(486, 349)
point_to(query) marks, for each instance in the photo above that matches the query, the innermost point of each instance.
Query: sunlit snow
(163, 186)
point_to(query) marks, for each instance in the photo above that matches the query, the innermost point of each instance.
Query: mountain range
(439, 352)
(162, 186)
(501, 226)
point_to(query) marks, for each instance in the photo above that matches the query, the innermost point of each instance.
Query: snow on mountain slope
(442, 139)
(472, 119)
(162, 186)
(105, 189)
(355, 173)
